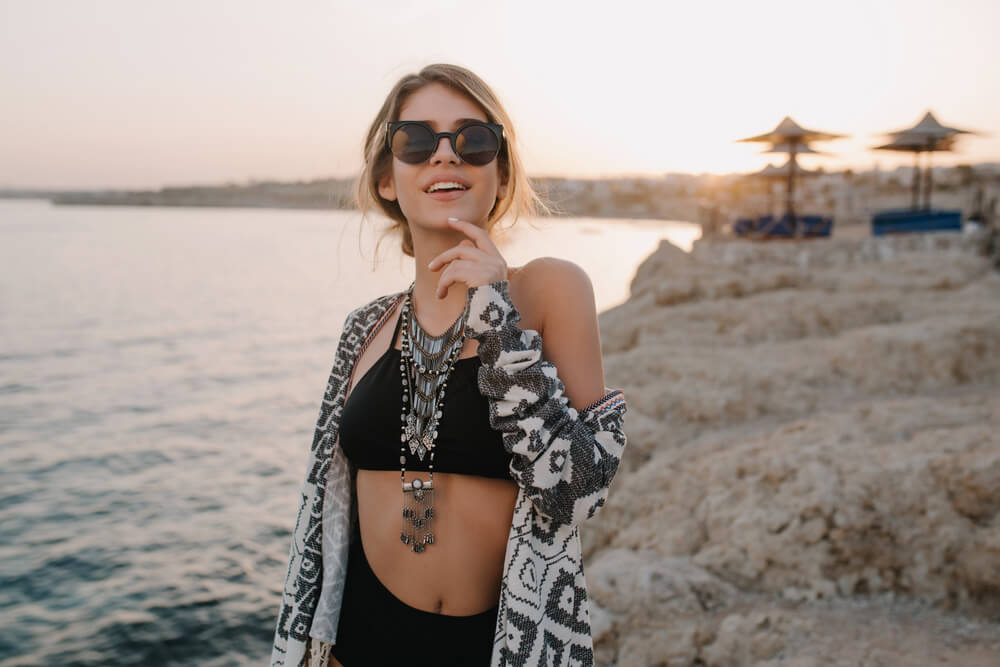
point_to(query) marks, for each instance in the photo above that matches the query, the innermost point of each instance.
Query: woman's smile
(446, 195)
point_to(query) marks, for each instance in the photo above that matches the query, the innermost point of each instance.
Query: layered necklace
(426, 363)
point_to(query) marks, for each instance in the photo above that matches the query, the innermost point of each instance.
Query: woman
(441, 528)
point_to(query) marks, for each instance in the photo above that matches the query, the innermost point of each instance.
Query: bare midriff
(458, 575)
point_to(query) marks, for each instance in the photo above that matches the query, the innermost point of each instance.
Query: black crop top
(466, 443)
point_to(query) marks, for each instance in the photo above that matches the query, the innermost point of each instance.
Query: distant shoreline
(850, 197)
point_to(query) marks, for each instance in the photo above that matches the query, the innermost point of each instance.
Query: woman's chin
(438, 219)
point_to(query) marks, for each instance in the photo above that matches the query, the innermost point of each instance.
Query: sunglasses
(415, 141)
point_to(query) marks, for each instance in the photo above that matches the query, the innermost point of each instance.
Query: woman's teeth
(446, 185)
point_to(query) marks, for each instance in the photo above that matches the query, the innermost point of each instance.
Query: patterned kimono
(564, 461)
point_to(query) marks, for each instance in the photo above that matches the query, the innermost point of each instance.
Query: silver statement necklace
(425, 364)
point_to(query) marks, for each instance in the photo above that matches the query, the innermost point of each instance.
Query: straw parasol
(786, 147)
(793, 139)
(773, 173)
(928, 136)
(929, 128)
(917, 146)
(789, 130)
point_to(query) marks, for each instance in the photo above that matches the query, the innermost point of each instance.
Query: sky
(126, 94)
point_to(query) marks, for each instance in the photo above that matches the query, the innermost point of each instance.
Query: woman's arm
(564, 458)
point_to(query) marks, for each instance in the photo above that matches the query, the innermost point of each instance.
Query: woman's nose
(443, 154)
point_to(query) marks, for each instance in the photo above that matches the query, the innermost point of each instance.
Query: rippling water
(160, 377)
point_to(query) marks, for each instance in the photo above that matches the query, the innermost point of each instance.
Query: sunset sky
(120, 93)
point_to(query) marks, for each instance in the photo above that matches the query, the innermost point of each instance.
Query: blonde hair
(521, 198)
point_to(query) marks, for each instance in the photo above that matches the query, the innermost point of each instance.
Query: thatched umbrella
(793, 139)
(917, 146)
(930, 128)
(926, 136)
(773, 173)
(786, 147)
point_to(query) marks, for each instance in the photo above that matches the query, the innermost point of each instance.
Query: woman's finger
(465, 250)
(477, 234)
(488, 266)
(455, 272)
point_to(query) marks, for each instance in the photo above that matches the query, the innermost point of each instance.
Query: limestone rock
(813, 459)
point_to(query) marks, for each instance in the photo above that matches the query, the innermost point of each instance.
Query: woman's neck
(435, 314)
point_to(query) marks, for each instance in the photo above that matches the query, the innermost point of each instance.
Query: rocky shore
(813, 468)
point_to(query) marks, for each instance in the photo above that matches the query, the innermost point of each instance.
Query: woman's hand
(474, 262)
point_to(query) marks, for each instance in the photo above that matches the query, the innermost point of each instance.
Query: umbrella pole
(916, 181)
(929, 184)
(790, 205)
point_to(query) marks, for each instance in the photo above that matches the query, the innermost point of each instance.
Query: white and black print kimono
(563, 462)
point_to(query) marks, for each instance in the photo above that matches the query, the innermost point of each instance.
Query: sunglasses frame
(392, 125)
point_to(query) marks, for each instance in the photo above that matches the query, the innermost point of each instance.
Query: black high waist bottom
(377, 628)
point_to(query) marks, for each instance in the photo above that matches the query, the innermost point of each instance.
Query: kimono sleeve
(564, 459)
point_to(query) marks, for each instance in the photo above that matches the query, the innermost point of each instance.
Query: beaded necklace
(426, 363)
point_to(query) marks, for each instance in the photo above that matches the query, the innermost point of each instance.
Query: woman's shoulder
(547, 287)
(547, 270)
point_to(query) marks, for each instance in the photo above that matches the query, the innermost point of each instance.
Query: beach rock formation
(813, 468)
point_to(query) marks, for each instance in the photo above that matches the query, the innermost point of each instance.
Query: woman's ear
(502, 188)
(387, 187)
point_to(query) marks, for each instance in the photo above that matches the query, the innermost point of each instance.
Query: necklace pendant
(418, 514)
(427, 441)
(411, 426)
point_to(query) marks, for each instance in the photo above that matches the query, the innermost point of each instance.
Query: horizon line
(595, 177)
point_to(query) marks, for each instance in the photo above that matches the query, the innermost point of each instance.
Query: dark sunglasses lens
(412, 144)
(477, 145)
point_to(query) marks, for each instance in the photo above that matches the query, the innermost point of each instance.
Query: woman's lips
(447, 195)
